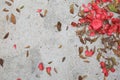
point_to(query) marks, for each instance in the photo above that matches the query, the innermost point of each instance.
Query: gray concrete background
(44, 39)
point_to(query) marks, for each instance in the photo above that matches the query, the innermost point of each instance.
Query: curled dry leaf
(72, 8)
(116, 52)
(13, 19)
(6, 35)
(1, 62)
(63, 59)
(5, 10)
(55, 70)
(94, 40)
(80, 50)
(8, 3)
(18, 10)
(59, 26)
(83, 57)
(41, 15)
(99, 55)
(81, 32)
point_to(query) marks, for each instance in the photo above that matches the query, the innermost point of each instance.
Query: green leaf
(112, 8)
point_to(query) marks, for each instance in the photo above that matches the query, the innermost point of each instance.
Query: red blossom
(14, 46)
(40, 66)
(18, 79)
(96, 24)
(103, 65)
(112, 70)
(39, 10)
(48, 70)
(74, 24)
(89, 53)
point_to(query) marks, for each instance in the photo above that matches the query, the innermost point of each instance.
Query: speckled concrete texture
(44, 40)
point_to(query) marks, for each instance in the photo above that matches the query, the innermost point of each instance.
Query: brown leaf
(6, 35)
(7, 17)
(18, 10)
(72, 8)
(60, 46)
(63, 59)
(28, 46)
(50, 62)
(59, 26)
(1, 62)
(86, 61)
(45, 12)
(81, 32)
(80, 78)
(116, 52)
(99, 55)
(13, 19)
(12, 0)
(8, 3)
(81, 40)
(5, 10)
(55, 70)
(113, 61)
(80, 50)
(41, 15)
(27, 53)
(83, 57)
(94, 40)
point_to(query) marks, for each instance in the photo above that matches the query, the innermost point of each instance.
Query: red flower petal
(14, 46)
(40, 66)
(18, 79)
(89, 53)
(48, 70)
(112, 70)
(96, 24)
(102, 64)
(39, 10)
(74, 24)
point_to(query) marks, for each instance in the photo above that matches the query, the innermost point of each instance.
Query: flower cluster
(106, 70)
(100, 20)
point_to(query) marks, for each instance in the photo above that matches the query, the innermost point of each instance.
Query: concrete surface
(44, 39)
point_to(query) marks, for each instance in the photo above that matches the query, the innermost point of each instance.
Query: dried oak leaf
(59, 26)
(72, 8)
(1, 62)
(6, 35)
(80, 50)
(13, 19)
(8, 3)
(116, 52)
